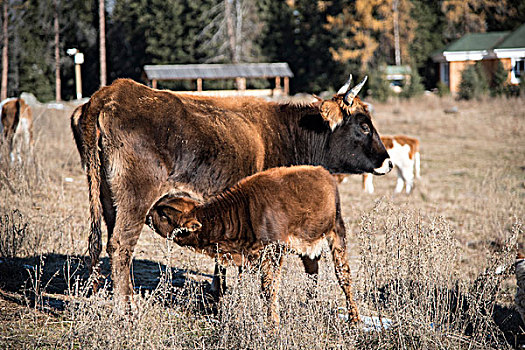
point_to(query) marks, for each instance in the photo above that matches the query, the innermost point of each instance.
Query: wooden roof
(217, 71)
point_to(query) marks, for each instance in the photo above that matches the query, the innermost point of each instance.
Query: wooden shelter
(240, 72)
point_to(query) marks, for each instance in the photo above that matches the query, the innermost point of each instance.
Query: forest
(322, 41)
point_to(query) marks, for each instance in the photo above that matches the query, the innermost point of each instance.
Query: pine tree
(498, 80)
(472, 16)
(427, 38)
(414, 87)
(313, 64)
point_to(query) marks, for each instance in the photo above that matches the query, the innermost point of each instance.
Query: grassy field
(437, 263)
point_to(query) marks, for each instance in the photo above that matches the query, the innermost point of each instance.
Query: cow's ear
(331, 112)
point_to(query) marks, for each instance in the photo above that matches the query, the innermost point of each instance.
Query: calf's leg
(337, 243)
(271, 264)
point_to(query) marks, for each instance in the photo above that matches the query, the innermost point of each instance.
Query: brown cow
(17, 126)
(296, 208)
(137, 144)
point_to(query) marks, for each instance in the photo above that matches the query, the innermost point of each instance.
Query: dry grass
(437, 263)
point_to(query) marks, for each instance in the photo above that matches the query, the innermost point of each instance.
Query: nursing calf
(255, 221)
(16, 126)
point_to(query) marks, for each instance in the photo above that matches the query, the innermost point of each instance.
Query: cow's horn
(350, 95)
(345, 87)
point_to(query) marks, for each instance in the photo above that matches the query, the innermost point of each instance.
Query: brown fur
(12, 112)
(138, 144)
(296, 208)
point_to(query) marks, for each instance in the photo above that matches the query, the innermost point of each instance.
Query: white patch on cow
(384, 168)
(312, 250)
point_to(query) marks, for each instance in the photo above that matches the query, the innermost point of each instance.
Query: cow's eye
(365, 128)
(163, 215)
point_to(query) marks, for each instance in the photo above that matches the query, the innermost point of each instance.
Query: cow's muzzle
(384, 168)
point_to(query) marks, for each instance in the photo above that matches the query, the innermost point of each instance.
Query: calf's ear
(175, 205)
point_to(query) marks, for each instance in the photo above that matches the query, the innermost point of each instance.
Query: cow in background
(255, 221)
(16, 126)
(404, 153)
(139, 144)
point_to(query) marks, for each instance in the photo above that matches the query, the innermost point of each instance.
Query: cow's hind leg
(337, 243)
(109, 214)
(271, 263)
(133, 196)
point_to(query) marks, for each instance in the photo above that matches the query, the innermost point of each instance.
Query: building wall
(489, 65)
(455, 69)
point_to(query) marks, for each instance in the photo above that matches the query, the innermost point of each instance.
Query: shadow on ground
(57, 276)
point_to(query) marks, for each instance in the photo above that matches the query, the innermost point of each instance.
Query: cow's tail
(86, 132)
(417, 161)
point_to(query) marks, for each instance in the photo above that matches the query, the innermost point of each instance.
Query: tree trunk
(5, 58)
(58, 82)
(102, 34)
(230, 29)
(397, 49)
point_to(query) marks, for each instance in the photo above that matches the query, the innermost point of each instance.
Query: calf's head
(173, 217)
(354, 146)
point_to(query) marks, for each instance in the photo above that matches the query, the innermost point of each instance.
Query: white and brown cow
(404, 153)
(16, 126)
(255, 221)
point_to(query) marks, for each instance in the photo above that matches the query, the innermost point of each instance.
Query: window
(519, 67)
(444, 72)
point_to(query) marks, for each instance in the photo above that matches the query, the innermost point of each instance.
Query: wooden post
(5, 59)
(78, 79)
(286, 85)
(154, 83)
(241, 83)
(277, 83)
(58, 82)
(102, 41)
(199, 84)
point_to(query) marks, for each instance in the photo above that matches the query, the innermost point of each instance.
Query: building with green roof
(489, 48)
